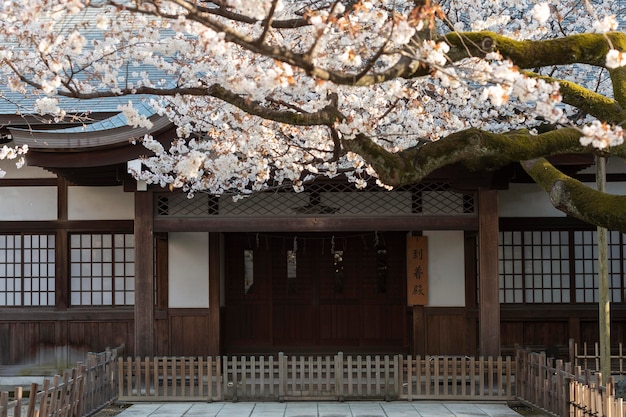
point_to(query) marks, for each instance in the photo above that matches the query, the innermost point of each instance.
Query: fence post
(4, 403)
(282, 376)
(18, 400)
(339, 376)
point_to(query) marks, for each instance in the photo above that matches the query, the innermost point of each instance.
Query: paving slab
(319, 409)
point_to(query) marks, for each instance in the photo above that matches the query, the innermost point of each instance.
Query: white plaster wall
(28, 203)
(188, 270)
(526, 200)
(446, 268)
(618, 188)
(25, 172)
(614, 165)
(100, 203)
(529, 200)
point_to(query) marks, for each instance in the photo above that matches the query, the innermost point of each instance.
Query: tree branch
(587, 48)
(472, 148)
(590, 102)
(575, 199)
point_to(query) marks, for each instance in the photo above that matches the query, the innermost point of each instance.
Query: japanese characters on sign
(417, 270)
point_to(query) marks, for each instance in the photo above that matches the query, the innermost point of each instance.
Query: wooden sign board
(417, 270)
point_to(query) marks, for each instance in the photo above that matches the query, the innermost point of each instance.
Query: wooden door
(316, 293)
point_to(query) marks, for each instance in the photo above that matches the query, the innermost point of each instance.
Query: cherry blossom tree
(277, 92)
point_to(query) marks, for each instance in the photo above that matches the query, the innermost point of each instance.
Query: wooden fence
(457, 378)
(81, 391)
(335, 377)
(588, 357)
(563, 390)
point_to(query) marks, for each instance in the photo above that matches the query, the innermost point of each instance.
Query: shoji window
(548, 266)
(27, 270)
(102, 268)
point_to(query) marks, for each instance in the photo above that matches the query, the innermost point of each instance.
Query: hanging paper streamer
(292, 260)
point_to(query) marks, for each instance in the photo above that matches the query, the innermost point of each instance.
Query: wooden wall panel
(247, 327)
(162, 336)
(44, 342)
(383, 324)
(590, 332)
(446, 331)
(295, 323)
(96, 336)
(189, 332)
(337, 324)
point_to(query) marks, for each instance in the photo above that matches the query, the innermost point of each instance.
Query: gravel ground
(112, 410)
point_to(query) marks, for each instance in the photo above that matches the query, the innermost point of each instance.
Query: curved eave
(95, 158)
(77, 141)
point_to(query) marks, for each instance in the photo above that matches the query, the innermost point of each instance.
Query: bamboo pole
(603, 282)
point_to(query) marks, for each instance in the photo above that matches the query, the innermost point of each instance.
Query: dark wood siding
(341, 298)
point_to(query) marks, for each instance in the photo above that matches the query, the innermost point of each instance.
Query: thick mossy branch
(576, 199)
(475, 149)
(588, 48)
(590, 102)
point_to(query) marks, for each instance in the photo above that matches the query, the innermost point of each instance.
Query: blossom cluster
(16, 152)
(265, 131)
(601, 135)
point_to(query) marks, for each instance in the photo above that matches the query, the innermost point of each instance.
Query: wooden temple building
(461, 264)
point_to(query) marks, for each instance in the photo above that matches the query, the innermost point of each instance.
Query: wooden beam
(489, 299)
(144, 275)
(315, 224)
(214, 295)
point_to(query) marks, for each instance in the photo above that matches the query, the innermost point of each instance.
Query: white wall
(100, 203)
(28, 203)
(529, 200)
(526, 200)
(13, 172)
(446, 268)
(188, 270)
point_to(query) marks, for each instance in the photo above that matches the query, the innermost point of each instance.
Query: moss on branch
(587, 48)
(576, 199)
(473, 148)
(590, 102)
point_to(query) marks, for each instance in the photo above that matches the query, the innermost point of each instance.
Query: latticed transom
(324, 200)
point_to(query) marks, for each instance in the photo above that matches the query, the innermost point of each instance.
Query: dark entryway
(315, 292)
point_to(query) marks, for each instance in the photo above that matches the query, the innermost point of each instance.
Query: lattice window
(586, 255)
(557, 266)
(332, 199)
(102, 268)
(27, 270)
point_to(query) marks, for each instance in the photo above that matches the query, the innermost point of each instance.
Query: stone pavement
(319, 409)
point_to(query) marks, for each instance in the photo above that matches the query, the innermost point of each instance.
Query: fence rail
(589, 357)
(457, 378)
(81, 391)
(315, 377)
(563, 390)
(557, 388)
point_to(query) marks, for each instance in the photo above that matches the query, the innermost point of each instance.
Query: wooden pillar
(61, 273)
(144, 274)
(214, 295)
(489, 302)
(61, 261)
(419, 331)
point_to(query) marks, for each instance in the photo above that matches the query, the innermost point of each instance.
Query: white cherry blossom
(240, 91)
